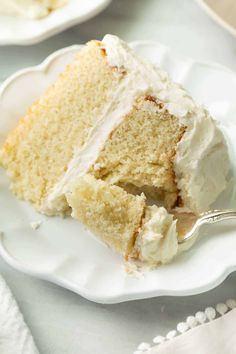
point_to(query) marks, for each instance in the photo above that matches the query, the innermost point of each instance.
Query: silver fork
(188, 224)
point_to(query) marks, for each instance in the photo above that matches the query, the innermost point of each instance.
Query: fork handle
(213, 216)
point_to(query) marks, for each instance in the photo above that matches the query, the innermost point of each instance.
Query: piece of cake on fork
(113, 130)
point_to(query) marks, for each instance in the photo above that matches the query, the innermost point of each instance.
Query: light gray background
(63, 322)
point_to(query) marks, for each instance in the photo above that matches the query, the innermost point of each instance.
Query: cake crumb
(35, 224)
(97, 166)
(132, 269)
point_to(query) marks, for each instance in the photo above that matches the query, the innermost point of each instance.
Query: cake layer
(107, 210)
(140, 152)
(123, 221)
(38, 151)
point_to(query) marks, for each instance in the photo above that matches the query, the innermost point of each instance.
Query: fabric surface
(15, 337)
(216, 337)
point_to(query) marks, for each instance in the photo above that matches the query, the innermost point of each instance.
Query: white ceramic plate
(22, 31)
(63, 252)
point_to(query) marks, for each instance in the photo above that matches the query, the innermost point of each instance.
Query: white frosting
(199, 178)
(157, 241)
(32, 9)
(201, 163)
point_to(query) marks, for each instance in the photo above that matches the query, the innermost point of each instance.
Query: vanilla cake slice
(112, 130)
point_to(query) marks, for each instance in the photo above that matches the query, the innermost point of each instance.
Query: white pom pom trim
(201, 317)
(210, 313)
(171, 334)
(182, 327)
(221, 308)
(231, 303)
(143, 346)
(158, 339)
(192, 321)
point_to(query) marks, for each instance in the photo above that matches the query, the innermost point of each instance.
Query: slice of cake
(122, 123)
(123, 221)
(33, 9)
(108, 210)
